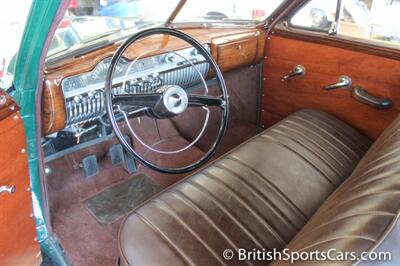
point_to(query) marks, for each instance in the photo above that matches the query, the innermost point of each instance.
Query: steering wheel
(165, 102)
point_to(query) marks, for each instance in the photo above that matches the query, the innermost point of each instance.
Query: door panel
(18, 245)
(324, 65)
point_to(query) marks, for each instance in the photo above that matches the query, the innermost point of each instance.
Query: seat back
(362, 215)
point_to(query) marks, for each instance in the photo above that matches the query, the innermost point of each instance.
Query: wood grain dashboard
(231, 48)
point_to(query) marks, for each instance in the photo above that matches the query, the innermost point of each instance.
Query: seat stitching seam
(158, 202)
(368, 181)
(166, 239)
(324, 135)
(342, 133)
(274, 187)
(340, 218)
(314, 143)
(366, 195)
(213, 199)
(385, 233)
(260, 195)
(316, 154)
(249, 208)
(324, 139)
(337, 238)
(378, 167)
(186, 200)
(389, 135)
(383, 156)
(299, 155)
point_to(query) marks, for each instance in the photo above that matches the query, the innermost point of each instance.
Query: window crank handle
(7, 189)
(298, 71)
(344, 82)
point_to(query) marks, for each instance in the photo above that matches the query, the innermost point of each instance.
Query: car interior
(178, 142)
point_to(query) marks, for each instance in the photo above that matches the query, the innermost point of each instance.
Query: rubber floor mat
(116, 201)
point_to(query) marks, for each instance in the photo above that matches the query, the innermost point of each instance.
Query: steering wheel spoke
(149, 100)
(205, 100)
(131, 111)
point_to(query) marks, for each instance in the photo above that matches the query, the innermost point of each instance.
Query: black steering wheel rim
(110, 110)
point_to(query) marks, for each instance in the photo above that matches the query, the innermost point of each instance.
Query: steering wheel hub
(175, 100)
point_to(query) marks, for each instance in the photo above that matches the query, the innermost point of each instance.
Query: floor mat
(116, 201)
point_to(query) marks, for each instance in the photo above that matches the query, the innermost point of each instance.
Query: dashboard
(84, 93)
(73, 96)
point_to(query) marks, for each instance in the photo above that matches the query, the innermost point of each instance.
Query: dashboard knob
(78, 98)
(170, 59)
(195, 52)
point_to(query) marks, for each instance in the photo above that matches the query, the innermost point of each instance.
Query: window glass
(227, 11)
(376, 20)
(13, 15)
(89, 21)
(316, 15)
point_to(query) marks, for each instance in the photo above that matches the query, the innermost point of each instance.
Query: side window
(318, 15)
(13, 15)
(373, 20)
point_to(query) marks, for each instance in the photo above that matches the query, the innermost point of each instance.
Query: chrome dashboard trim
(84, 102)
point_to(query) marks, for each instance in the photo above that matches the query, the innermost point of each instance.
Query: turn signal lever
(344, 82)
(298, 71)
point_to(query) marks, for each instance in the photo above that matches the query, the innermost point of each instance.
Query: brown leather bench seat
(268, 194)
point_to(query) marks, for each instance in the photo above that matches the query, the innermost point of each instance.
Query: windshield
(88, 21)
(232, 11)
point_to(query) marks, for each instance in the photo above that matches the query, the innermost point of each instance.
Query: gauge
(100, 72)
(68, 85)
(73, 83)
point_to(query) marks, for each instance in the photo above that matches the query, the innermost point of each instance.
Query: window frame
(298, 8)
(376, 44)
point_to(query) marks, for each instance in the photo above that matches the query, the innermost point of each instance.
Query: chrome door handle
(298, 71)
(344, 82)
(364, 96)
(7, 189)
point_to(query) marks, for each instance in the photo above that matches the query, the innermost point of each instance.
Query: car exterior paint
(41, 21)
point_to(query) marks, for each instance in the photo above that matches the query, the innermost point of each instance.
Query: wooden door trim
(347, 43)
(7, 105)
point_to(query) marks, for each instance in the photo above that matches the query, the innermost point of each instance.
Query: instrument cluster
(84, 93)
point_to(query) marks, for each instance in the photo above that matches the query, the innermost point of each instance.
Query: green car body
(28, 73)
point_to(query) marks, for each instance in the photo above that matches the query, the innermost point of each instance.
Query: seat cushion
(258, 196)
(362, 215)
